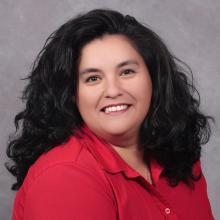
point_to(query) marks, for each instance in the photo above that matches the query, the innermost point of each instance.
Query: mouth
(115, 109)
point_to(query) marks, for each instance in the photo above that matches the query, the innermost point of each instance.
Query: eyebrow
(124, 63)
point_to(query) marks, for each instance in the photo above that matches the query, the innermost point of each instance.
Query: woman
(111, 129)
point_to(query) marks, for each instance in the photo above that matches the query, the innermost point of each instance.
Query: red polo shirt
(86, 180)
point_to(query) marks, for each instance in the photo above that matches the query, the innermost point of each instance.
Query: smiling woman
(111, 128)
(120, 82)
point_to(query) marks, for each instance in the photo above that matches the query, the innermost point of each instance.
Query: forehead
(109, 49)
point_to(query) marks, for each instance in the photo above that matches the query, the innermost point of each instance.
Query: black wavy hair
(173, 130)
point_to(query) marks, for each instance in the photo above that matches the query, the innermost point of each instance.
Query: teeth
(115, 108)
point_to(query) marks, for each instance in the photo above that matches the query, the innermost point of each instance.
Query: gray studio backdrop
(191, 28)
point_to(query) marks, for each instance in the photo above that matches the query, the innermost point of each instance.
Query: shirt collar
(109, 159)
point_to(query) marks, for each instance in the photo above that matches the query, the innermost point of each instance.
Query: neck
(128, 142)
(133, 155)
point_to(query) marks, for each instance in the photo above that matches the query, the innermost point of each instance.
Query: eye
(92, 79)
(127, 72)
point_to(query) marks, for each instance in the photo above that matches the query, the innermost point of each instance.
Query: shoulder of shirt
(71, 152)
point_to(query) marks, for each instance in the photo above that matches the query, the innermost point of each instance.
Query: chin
(117, 130)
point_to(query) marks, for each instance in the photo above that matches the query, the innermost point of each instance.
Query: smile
(115, 108)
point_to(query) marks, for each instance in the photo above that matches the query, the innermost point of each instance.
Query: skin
(106, 79)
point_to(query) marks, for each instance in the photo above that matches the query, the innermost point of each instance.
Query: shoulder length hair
(173, 129)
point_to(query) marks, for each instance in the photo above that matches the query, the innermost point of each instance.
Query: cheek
(86, 99)
(143, 87)
(144, 93)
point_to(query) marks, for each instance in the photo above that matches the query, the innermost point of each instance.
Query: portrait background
(190, 28)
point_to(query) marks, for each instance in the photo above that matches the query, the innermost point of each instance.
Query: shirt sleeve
(68, 192)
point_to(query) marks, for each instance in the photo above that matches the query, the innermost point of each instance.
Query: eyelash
(130, 70)
(96, 76)
(89, 79)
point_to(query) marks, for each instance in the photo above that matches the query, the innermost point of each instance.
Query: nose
(113, 88)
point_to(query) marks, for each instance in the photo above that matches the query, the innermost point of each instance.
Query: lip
(111, 105)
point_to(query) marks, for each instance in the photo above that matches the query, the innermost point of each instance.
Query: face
(114, 88)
